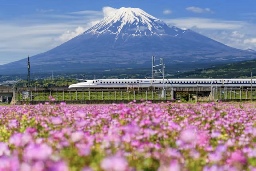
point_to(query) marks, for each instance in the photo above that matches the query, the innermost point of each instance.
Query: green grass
(221, 94)
(100, 95)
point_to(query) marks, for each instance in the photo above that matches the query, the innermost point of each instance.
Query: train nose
(71, 86)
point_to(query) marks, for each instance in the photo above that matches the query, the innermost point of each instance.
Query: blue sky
(29, 27)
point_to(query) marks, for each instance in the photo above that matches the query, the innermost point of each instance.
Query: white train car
(144, 83)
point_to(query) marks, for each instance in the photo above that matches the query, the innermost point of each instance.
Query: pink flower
(4, 149)
(215, 157)
(77, 136)
(87, 169)
(9, 163)
(114, 163)
(51, 98)
(16, 139)
(173, 166)
(37, 152)
(188, 135)
(202, 138)
(80, 114)
(237, 157)
(13, 123)
(83, 149)
(56, 120)
(58, 166)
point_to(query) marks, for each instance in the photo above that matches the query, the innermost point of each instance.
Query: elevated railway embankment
(125, 95)
(34, 95)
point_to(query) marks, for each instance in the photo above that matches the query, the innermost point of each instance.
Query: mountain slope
(128, 39)
(232, 70)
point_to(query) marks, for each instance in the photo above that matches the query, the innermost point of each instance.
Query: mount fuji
(128, 39)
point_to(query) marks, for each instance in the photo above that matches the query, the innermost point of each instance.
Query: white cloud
(43, 31)
(87, 12)
(71, 34)
(237, 34)
(107, 11)
(205, 23)
(166, 12)
(250, 41)
(199, 10)
(35, 34)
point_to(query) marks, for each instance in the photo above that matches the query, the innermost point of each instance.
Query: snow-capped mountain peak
(131, 22)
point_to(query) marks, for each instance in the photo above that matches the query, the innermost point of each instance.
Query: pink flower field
(126, 137)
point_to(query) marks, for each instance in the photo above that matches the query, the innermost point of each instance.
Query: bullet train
(144, 83)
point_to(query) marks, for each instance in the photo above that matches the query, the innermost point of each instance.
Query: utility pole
(163, 66)
(153, 65)
(251, 85)
(28, 76)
